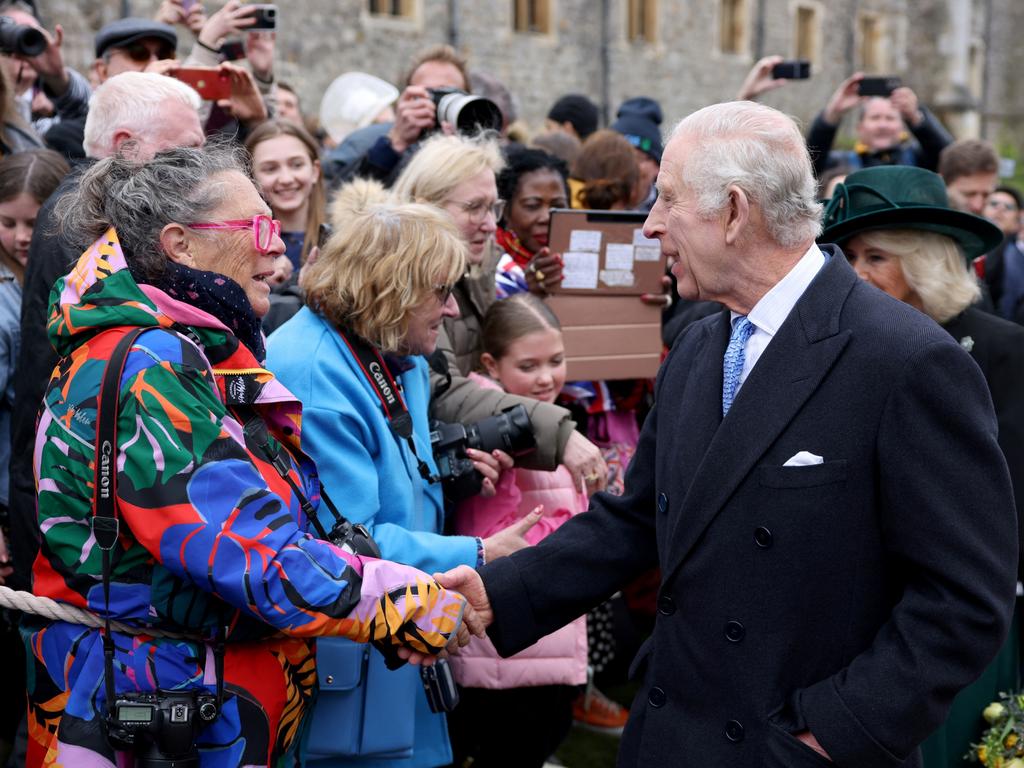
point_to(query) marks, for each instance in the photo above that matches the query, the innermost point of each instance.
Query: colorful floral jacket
(212, 536)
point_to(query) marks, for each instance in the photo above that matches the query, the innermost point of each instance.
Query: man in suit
(836, 534)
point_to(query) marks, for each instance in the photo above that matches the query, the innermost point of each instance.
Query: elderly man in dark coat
(836, 535)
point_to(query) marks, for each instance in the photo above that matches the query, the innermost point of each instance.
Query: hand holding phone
(265, 16)
(211, 83)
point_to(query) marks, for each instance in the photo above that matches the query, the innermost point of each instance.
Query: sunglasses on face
(443, 292)
(263, 229)
(143, 54)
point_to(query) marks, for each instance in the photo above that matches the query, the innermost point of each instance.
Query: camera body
(469, 114)
(265, 15)
(354, 538)
(508, 431)
(20, 39)
(160, 728)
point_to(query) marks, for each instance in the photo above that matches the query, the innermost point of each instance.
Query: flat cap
(123, 32)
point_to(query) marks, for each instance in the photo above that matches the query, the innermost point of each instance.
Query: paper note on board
(618, 278)
(640, 239)
(585, 240)
(619, 256)
(647, 253)
(579, 269)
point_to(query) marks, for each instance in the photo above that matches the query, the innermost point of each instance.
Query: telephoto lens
(20, 39)
(469, 114)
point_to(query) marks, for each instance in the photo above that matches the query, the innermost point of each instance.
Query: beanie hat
(638, 120)
(577, 109)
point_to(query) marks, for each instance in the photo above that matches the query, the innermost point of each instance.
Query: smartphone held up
(210, 83)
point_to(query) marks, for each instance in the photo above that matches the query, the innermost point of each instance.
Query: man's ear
(121, 137)
(99, 70)
(490, 365)
(737, 214)
(174, 241)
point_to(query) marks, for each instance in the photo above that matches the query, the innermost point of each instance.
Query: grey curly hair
(139, 200)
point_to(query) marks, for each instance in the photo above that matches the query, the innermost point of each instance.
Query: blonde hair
(380, 265)
(444, 162)
(354, 197)
(933, 266)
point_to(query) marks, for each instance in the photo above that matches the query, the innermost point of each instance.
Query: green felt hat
(903, 197)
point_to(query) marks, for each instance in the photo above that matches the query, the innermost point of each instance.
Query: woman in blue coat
(375, 301)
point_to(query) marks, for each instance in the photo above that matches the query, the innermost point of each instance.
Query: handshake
(475, 620)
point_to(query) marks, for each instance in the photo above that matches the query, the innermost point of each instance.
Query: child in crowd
(524, 355)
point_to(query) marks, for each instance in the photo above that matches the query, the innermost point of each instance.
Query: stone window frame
(406, 10)
(532, 17)
(875, 61)
(641, 24)
(814, 50)
(733, 27)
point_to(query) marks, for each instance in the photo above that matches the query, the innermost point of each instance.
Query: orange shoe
(596, 712)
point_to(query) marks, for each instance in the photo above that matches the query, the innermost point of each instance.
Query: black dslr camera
(469, 114)
(160, 728)
(354, 538)
(20, 39)
(509, 431)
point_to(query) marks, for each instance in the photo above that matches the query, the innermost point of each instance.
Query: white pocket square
(803, 459)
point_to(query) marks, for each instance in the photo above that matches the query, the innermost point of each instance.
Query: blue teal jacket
(371, 475)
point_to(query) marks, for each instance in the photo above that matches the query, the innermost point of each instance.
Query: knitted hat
(577, 109)
(638, 120)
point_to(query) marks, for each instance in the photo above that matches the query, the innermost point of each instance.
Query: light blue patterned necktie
(732, 363)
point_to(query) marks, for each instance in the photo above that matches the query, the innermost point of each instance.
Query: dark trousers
(519, 727)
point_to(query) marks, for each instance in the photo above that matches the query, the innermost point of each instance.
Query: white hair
(760, 150)
(131, 101)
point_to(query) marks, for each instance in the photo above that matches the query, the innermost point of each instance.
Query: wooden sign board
(609, 332)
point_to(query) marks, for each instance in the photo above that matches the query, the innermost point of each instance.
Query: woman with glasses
(457, 175)
(214, 496)
(355, 355)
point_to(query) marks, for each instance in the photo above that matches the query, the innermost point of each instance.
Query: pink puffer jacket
(556, 659)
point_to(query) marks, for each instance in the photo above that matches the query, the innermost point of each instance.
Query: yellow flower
(982, 755)
(1010, 740)
(1015, 763)
(993, 712)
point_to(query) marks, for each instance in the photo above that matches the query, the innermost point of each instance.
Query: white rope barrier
(26, 602)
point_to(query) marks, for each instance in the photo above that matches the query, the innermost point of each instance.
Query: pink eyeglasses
(263, 228)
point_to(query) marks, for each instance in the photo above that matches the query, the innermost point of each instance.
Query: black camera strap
(105, 524)
(382, 382)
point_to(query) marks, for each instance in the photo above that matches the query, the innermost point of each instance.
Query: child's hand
(490, 465)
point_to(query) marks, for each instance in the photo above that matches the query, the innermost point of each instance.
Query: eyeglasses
(143, 54)
(1006, 206)
(443, 292)
(477, 210)
(263, 228)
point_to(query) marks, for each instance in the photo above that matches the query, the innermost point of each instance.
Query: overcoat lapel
(788, 372)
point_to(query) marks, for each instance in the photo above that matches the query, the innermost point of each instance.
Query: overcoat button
(763, 537)
(656, 697)
(666, 605)
(662, 502)
(734, 730)
(734, 631)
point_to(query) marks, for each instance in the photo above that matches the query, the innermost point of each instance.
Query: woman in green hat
(896, 227)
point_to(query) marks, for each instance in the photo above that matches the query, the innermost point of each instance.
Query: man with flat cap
(132, 45)
(836, 534)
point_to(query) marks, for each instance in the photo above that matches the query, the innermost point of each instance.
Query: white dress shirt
(771, 311)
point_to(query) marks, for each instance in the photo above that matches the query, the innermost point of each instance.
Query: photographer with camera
(436, 97)
(376, 299)
(174, 494)
(893, 128)
(46, 92)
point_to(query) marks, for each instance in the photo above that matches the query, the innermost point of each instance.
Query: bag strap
(376, 371)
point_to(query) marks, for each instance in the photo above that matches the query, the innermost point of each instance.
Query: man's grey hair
(132, 101)
(760, 150)
(139, 200)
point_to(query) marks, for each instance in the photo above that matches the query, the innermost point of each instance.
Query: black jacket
(853, 597)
